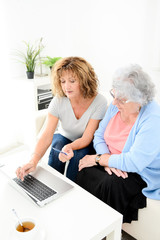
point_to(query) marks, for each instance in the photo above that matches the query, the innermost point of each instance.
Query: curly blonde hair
(82, 69)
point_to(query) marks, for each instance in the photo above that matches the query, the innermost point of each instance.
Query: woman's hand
(116, 171)
(68, 150)
(87, 161)
(21, 172)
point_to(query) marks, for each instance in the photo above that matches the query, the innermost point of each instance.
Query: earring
(138, 109)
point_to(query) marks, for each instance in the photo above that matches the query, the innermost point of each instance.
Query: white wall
(108, 33)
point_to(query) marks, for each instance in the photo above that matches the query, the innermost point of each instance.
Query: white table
(77, 215)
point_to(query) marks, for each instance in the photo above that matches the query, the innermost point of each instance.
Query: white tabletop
(75, 215)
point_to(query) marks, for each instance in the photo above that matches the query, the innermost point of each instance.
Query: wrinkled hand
(21, 172)
(67, 149)
(116, 171)
(87, 161)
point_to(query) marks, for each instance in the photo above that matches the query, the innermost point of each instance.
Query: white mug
(30, 235)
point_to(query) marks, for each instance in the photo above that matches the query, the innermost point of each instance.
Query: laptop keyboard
(36, 188)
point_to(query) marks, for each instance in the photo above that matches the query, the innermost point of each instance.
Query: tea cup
(31, 229)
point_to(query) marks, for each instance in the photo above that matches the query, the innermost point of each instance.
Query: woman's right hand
(21, 172)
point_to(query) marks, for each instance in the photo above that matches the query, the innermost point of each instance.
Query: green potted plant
(30, 57)
(49, 61)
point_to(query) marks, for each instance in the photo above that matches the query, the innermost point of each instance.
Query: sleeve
(54, 107)
(144, 150)
(100, 108)
(98, 141)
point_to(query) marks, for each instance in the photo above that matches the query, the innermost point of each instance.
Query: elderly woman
(126, 168)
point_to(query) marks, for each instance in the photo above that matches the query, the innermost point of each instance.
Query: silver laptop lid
(51, 180)
(47, 177)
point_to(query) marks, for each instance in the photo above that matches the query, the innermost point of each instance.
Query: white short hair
(132, 83)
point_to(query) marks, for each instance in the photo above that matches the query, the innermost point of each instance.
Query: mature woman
(78, 108)
(126, 168)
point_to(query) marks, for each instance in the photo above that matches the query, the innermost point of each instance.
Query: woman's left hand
(117, 172)
(68, 150)
(87, 161)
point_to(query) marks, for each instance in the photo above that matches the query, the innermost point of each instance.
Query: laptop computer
(41, 186)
